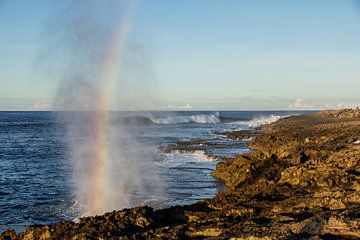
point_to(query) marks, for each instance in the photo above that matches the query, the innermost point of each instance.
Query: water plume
(88, 42)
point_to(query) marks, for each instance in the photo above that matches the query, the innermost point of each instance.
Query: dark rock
(9, 235)
(242, 134)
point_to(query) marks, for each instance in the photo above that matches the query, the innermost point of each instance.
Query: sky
(203, 54)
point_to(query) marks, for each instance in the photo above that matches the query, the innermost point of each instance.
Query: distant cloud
(173, 107)
(301, 104)
(25, 104)
(186, 106)
(339, 105)
(41, 106)
(146, 106)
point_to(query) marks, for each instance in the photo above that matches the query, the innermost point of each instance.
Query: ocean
(181, 148)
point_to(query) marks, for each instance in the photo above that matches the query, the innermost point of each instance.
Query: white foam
(199, 118)
(179, 157)
(259, 121)
(199, 155)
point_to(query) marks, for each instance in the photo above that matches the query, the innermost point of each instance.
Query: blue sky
(204, 54)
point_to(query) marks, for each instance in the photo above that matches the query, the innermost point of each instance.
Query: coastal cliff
(301, 181)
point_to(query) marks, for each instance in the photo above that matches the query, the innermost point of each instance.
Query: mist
(100, 71)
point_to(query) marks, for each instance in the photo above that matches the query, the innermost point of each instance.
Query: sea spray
(259, 121)
(211, 118)
(107, 164)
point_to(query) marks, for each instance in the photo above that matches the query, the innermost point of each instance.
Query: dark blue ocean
(36, 180)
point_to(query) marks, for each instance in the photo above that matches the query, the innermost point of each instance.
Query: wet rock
(241, 134)
(9, 235)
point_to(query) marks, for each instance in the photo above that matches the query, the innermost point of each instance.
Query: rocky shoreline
(302, 181)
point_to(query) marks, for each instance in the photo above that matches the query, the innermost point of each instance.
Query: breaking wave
(199, 118)
(199, 155)
(206, 118)
(259, 121)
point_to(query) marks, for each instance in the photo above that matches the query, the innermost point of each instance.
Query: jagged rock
(234, 171)
(251, 238)
(341, 228)
(343, 113)
(206, 232)
(9, 235)
(241, 134)
(41, 233)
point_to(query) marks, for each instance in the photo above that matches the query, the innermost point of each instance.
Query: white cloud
(301, 104)
(40, 106)
(166, 107)
(186, 106)
(340, 106)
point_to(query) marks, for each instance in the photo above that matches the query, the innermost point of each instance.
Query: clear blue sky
(205, 54)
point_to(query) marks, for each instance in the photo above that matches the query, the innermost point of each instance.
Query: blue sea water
(36, 180)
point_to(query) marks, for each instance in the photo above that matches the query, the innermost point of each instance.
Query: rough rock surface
(302, 182)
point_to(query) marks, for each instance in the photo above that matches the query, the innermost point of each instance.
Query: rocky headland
(302, 181)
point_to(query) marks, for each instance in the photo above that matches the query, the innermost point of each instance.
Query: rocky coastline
(302, 181)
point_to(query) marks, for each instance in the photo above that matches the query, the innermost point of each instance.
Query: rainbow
(99, 196)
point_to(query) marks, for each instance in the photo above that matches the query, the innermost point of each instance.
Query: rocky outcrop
(303, 177)
(344, 113)
(301, 182)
